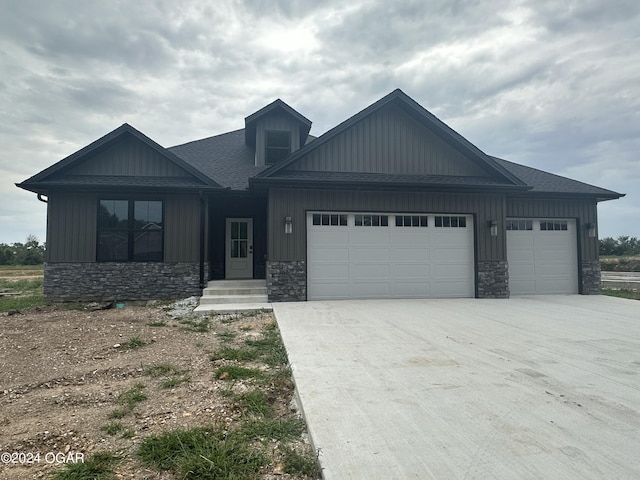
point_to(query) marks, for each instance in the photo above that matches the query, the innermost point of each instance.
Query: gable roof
(53, 176)
(275, 106)
(407, 104)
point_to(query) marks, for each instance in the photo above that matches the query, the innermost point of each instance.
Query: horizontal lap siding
(295, 203)
(583, 210)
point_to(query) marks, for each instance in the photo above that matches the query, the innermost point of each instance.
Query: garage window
(451, 221)
(411, 221)
(553, 225)
(372, 220)
(519, 224)
(332, 219)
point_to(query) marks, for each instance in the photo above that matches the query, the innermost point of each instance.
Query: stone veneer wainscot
(109, 281)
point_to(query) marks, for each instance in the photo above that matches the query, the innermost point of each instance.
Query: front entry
(239, 248)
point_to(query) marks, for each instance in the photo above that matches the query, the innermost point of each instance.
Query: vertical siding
(583, 210)
(275, 122)
(182, 229)
(129, 157)
(295, 203)
(389, 141)
(71, 228)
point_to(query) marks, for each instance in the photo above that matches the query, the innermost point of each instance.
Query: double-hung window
(130, 231)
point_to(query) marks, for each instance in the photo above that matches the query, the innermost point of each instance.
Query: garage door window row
(376, 220)
(553, 225)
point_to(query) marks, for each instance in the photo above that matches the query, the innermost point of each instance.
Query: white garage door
(373, 255)
(542, 256)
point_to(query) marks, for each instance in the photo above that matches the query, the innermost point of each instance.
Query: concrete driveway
(543, 387)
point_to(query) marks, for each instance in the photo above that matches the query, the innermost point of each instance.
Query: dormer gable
(275, 131)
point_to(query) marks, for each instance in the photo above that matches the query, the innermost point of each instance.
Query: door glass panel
(243, 230)
(243, 249)
(235, 230)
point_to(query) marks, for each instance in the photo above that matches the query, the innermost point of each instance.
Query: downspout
(202, 238)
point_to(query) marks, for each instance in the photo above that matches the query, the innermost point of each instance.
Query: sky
(554, 85)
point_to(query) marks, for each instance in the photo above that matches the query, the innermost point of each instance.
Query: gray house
(390, 203)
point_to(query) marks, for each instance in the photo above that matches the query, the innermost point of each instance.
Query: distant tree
(29, 253)
(623, 245)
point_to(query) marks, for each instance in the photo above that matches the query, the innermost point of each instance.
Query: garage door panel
(411, 289)
(409, 255)
(401, 261)
(410, 270)
(369, 254)
(330, 270)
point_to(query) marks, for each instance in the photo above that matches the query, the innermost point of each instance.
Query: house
(390, 203)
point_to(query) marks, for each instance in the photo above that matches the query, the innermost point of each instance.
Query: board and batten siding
(389, 141)
(72, 227)
(275, 122)
(295, 203)
(583, 210)
(129, 157)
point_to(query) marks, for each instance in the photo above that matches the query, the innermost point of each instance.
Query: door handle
(251, 249)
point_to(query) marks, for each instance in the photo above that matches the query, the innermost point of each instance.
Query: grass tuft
(234, 372)
(622, 293)
(255, 402)
(279, 429)
(174, 381)
(112, 428)
(97, 467)
(134, 342)
(132, 397)
(305, 463)
(203, 454)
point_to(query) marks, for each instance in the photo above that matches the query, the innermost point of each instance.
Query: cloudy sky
(550, 84)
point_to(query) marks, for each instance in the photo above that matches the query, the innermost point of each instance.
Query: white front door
(239, 248)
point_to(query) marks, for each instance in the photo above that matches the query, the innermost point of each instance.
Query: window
(372, 220)
(519, 224)
(451, 221)
(277, 146)
(553, 225)
(411, 221)
(330, 219)
(130, 231)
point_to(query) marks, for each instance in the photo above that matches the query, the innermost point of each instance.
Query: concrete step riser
(233, 299)
(234, 291)
(236, 283)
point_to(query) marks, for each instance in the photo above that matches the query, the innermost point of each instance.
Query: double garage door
(375, 255)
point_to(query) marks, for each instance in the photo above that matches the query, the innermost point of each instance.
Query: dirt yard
(63, 375)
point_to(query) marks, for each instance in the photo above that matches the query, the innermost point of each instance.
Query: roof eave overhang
(53, 188)
(266, 183)
(598, 197)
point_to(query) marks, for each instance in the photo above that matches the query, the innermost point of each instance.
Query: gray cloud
(549, 84)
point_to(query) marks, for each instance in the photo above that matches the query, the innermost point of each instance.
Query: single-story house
(389, 203)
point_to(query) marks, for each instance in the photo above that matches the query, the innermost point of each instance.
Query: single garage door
(376, 255)
(542, 256)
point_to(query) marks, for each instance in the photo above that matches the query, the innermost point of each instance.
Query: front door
(239, 248)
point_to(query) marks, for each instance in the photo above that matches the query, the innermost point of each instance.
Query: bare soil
(61, 373)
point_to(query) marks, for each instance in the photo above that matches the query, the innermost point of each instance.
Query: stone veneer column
(493, 279)
(591, 279)
(110, 281)
(287, 281)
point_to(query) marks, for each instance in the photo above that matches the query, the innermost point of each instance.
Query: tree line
(623, 245)
(31, 252)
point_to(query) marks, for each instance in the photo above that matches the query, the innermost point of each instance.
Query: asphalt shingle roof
(224, 158)
(545, 182)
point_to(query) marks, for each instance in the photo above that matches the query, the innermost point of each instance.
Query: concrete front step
(215, 299)
(234, 308)
(234, 295)
(218, 290)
